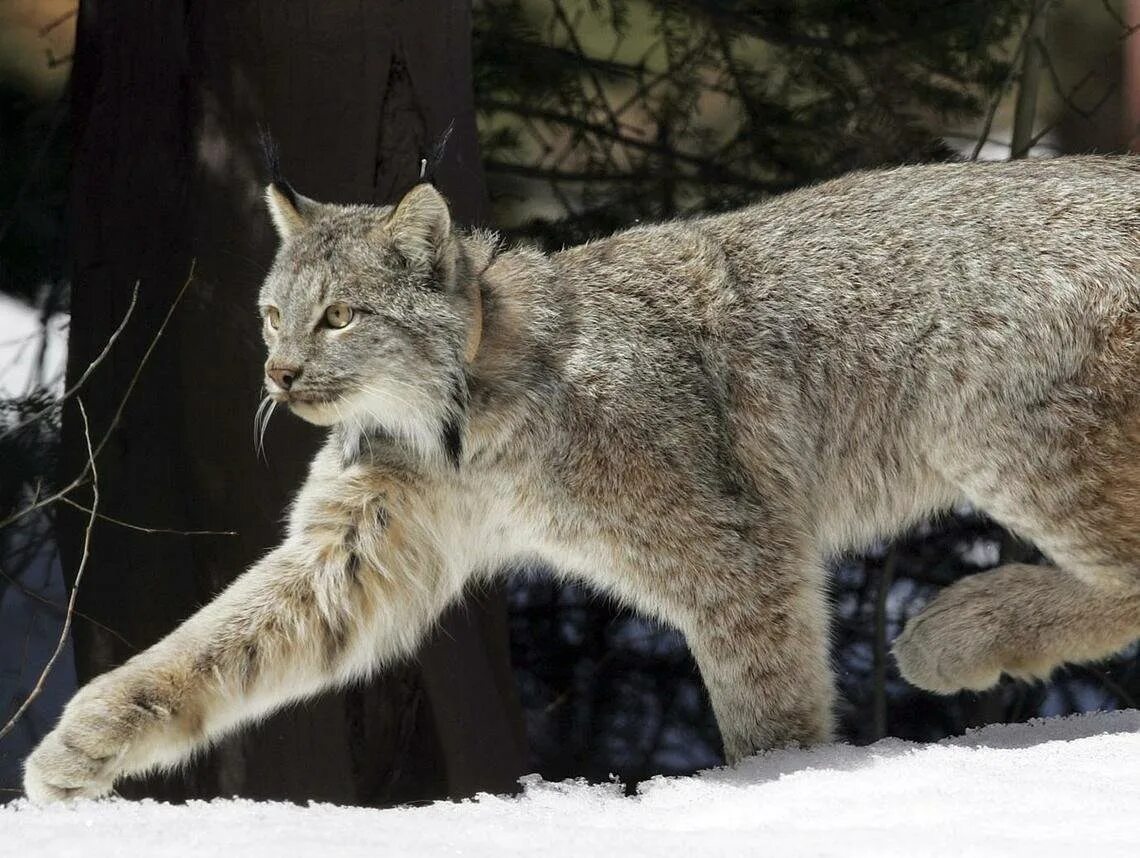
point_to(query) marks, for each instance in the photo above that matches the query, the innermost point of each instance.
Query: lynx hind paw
(946, 649)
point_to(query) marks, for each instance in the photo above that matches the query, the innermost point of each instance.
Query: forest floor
(1058, 787)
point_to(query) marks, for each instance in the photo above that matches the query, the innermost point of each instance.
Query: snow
(1057, 787)
(32, 353)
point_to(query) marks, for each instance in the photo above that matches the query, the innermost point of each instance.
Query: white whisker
(388, 394)
(366, 436)
(260, 423)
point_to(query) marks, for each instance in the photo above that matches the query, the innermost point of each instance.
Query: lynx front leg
(762, 648)
(354, 584)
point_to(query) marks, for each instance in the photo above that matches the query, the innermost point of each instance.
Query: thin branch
(646, 86)
(44, 600)
(142, 529)
(146, 356)
(1087, 113)
(55, 62)
(711, 176)
(706, 165)
(603, 99)
(42, 502)
(1025, 110)
(757, 26)
(1108, 93)
(32, 418)
(1113, 14)
(1058, 86)
(57, 21)
(995, 101)
(79, 480)
(66, 630)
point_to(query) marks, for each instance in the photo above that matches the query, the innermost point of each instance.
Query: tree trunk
(1131, 74)
(168, 101)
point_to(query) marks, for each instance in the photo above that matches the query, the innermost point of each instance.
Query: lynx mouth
(313, 406)
(311, 398)
(303, 397)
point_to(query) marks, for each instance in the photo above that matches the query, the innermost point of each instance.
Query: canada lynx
(692, 417)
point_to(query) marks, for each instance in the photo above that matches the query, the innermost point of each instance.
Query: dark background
(129, 154)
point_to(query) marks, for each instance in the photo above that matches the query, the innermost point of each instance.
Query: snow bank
(1058, 787)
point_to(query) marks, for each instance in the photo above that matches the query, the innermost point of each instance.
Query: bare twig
(706, 166)
(1067, 97)
(600, 91)
(995, 101)
(646, 86)
(79, 480)
(1025, 111)
(58, 20)
(32, 418)
(146, 356)
(55, 62)
(44, 600)
(1059, 88)
(1113, 14)
(641, 175)
(39, 503)
(38, 688)
(142, 529)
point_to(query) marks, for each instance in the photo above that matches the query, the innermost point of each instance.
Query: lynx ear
(420, 225)
(290, 211)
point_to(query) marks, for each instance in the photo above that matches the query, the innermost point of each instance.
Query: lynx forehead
(693, 417)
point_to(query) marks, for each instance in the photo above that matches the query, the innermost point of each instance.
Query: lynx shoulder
(693, 417)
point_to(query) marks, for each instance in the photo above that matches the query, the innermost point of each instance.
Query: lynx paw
(955, 644)
(84, 754)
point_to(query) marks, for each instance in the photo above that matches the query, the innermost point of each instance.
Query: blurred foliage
(614, 111)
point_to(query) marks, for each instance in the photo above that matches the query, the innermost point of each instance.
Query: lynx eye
(338, 315)
(272, 317)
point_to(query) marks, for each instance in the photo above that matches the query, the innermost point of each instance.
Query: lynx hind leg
(1020, 620)
(1080, 503)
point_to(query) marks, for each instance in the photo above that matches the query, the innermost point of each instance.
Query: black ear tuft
(271, 155)
(431, 159)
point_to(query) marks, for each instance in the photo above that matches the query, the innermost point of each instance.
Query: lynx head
(368, 317)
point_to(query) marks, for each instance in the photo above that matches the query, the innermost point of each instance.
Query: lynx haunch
(692, 417)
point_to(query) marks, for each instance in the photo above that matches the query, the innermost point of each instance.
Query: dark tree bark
(167, 104)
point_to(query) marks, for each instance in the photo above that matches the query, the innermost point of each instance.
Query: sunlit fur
(693, 418)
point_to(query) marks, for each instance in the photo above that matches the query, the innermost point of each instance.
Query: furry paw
(957, 642)
(85, 752)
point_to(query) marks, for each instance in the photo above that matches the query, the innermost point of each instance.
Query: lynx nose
(283, 376)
